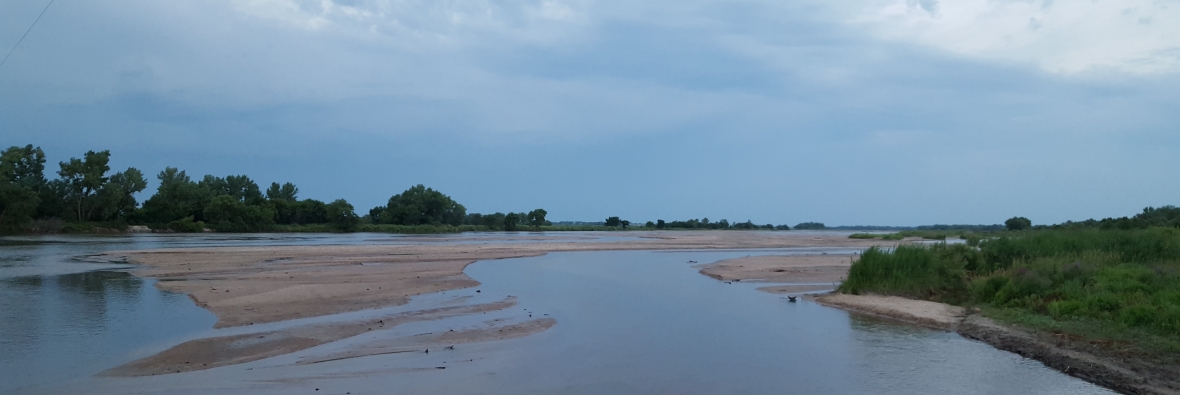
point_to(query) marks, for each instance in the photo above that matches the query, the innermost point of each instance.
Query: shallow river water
(627, 322)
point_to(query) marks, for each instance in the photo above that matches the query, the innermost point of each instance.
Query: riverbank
(244, 286)
(253, 285)
(1070, 356)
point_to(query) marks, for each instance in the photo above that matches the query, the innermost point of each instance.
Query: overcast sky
(886, 112)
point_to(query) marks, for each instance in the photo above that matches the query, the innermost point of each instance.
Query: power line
(22, 37)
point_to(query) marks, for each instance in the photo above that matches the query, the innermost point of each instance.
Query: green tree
(241, 188)
(176, 198)
(117, 196)
(17, 207)
(226, 213)
(536, 218)
(660, 224)
(342, 216)
(24, 166)
(810, 225)
(283, 198)
(1018, 223)
(83, 179)
(420, 205)
(22, 179)
(510, 222)
(613, 221)
(649, 224)
(287, 192)
(310, 211)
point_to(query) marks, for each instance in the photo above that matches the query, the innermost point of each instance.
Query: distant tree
(177, 197)
(649, 224)
(241, 188)
(723, 224)
(286, 192)
(782, 227)
(510, 222)
(660, 224)
(420, 205)
(1017, 223)
(83, 178)
(22, 180)
(117, 196)
(1166, 216)
(309, 211)
(745, 225)
(625, 223)
(495, 221)
(24, 166)
(810, 226)
(536, 218)
(342, 216)
(225, 213)
(17, 207)
(613, 221)
(284, 199)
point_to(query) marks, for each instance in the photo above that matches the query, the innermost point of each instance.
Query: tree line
(86, 192)
(702, 223)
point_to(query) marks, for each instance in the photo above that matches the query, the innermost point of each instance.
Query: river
(627, 322)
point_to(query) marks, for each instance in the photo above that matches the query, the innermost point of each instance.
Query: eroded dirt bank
(1072, 357)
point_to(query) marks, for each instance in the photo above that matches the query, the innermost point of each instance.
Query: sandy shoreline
(1078, 359)
(252, 285)
(792, 273)
(244, 286)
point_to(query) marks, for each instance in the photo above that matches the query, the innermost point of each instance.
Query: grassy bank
(1118, 288)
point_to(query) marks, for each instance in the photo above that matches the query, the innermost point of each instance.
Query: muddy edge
(1074, 358)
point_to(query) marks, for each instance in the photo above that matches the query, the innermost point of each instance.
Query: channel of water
(627, 322)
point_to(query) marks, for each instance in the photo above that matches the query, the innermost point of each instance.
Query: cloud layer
(887, 112)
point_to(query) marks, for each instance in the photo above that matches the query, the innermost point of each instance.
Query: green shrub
(186, 225)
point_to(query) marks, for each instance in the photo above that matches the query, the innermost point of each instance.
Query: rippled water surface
(628, 322)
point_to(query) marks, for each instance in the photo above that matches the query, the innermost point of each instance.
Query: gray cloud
(744, 110)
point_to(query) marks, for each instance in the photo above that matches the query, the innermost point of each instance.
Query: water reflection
(74, 325)
(628, 322)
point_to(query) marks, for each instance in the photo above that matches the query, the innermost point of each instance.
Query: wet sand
(793, 273)
(219, 351)
(921, 312)
(254, 285)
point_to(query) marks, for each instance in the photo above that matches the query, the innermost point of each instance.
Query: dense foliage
(419, 205)
(1113, 284)
(810, 226)
(86, 197)
(84, 190)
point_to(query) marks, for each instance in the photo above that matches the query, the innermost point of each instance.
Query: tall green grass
(936, 272)
(1103, 285)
